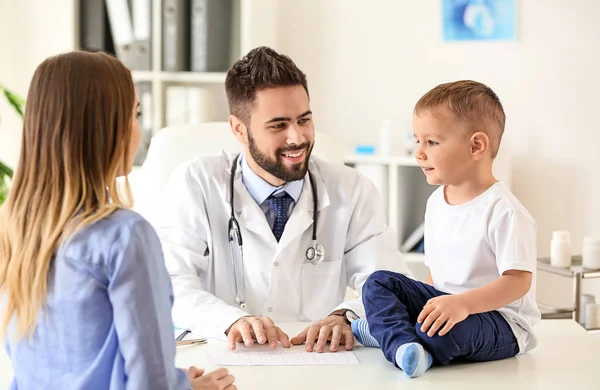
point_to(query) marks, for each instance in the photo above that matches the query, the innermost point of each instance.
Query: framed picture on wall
(479, 20)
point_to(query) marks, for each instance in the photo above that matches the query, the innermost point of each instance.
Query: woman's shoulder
(114, 232)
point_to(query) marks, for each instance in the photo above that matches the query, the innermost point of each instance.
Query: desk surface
(566, 358)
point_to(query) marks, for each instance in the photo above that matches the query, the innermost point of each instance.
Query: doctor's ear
(239, 129)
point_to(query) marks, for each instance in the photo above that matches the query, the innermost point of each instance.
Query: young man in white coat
(224, 288)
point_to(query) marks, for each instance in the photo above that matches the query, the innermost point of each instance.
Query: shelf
(543, 264)
(193, 77)
(142, 75)
(180, 77)
(402, 161)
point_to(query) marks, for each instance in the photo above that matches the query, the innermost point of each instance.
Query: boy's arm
(429, 278)
(512, 237)
(512, 285)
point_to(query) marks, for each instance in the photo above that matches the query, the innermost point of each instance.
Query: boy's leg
(393, 303)
(480, 337)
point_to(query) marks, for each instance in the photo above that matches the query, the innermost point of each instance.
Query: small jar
(560, 249)
(592, 316)
(591, 253)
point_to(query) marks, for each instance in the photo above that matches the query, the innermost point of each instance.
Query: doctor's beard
(276, 167)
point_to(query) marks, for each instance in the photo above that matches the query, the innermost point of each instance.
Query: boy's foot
(413, 359)
(360, 329)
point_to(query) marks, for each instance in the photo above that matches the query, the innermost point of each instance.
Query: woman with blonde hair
(85, 299)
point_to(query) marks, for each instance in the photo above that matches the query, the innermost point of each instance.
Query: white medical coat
(192, 223)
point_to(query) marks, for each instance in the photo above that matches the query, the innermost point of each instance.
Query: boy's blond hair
(474, 105)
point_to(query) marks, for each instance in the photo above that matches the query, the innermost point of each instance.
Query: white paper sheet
(280, 357)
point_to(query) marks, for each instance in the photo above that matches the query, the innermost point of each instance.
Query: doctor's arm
(182, 227)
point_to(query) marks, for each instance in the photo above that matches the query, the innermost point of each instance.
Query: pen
(182, 335)
(191, 342)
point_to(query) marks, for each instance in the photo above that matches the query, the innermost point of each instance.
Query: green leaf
(5, 171)
(16, 101)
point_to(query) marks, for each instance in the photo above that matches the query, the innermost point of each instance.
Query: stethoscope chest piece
(315, 254)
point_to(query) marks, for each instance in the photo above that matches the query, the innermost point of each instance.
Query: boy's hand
(448, 309)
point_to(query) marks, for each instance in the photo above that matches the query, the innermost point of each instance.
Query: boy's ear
(480, 143)
(239, 129)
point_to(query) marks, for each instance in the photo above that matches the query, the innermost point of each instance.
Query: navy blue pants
(393, 303)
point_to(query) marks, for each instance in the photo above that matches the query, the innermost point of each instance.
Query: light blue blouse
(107, 321)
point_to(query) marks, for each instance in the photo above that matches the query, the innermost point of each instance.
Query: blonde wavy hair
(75, 143)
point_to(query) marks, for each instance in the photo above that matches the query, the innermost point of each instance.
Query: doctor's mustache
(294, 148)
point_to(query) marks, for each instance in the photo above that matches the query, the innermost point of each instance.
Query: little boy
(480, 247)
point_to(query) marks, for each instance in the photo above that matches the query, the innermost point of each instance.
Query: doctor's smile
(294, 157)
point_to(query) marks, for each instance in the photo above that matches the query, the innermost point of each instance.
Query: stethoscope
(314, 254)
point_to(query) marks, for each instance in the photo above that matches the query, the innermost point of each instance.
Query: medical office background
(368, 62)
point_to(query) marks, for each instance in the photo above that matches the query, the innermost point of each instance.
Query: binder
(121, 27)
(93, 27)
(176, 35)
(211, 24)
(130, 24)
(144, 93)
(140, 55)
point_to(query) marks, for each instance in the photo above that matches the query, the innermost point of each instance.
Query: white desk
(566, 358)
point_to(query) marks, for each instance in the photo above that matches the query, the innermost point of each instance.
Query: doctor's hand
(217, 380)
(333, 328)
(445, 309)
(262, 329)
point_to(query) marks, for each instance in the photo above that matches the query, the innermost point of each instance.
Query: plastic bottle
(591, 253)
(560, 249)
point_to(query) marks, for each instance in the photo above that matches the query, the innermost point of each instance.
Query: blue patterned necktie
(280, 205)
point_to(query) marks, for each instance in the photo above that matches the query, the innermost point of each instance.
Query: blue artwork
(479, 20)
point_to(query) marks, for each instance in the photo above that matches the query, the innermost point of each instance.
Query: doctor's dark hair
(262, 68)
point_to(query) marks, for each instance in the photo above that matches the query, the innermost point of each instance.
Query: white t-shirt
(470, 245)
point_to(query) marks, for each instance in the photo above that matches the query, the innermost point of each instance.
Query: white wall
(30, 31)
(367, 61)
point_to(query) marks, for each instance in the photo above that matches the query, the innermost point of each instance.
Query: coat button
(270, 309)
(276, 264)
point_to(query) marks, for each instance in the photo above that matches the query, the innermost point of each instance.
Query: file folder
(176, 35)
(211, 25)
(130, 25)
(140, 55)
(93, 29)
(121, 28)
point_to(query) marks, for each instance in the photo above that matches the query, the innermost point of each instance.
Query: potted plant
(5, 171)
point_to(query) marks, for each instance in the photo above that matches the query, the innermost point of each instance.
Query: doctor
(272, 234)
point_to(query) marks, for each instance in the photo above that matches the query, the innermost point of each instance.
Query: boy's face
(443, 148)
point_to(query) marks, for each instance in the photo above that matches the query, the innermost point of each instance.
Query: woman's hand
(217, 380)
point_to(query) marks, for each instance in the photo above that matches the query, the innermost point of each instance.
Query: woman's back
(106, 288)
(85, 298)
